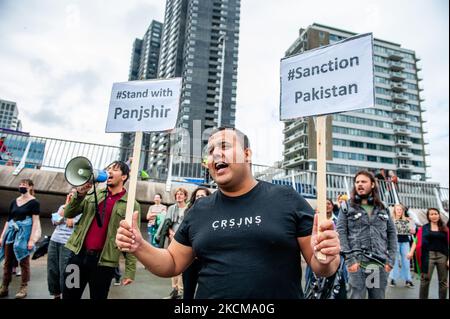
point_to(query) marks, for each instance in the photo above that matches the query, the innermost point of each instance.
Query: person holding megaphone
(93, 241)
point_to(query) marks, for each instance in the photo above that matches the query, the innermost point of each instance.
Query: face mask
(23, 190)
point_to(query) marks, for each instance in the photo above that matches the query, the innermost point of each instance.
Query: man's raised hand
(129, 239)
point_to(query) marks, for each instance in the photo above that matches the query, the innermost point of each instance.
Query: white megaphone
(79, 171)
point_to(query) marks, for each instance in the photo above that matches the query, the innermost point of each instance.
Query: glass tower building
(143, 66)
(200, 44)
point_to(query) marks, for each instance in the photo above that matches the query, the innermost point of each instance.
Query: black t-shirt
(247, 245)
(32, 207)
(437, 241)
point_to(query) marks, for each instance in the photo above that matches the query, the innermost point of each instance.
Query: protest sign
(142, 106)
(325, 80)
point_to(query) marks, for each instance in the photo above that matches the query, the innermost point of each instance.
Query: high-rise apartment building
(9, 116)
(389, 136)
(195, 33)
(143, 66)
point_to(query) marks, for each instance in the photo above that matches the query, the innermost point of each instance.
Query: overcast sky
(58, 60)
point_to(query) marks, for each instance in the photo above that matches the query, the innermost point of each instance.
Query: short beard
(365, 196)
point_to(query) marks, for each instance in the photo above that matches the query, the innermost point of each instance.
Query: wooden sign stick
(321, 186)
(133, 177)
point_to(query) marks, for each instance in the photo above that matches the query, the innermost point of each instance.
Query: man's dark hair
(124, 168)
(375, 191)
(241, 136)
(159, 194)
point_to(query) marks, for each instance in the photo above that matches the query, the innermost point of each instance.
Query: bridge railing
(52, 153)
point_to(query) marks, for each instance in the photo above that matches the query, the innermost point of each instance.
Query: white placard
(332, 79)
(147, 106)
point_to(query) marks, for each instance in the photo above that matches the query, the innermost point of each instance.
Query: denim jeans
(58, 257)
(373, 280)
(403, 272)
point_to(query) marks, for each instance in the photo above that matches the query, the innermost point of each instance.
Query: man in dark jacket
(368, 239)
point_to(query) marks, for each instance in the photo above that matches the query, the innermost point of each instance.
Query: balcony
(293, 125)
(397, 76)
(417, 58)
(423, 109)
(404, 155)
(293, 149)
(396, 66)
(398, 87)
(403, 143)
(398, 108)
(405, 167)
(398, 98)
(418, 67)
(395, 56)
(400, 120)
(294, 161)
(296, 136)
(402, 131)
(210, 123)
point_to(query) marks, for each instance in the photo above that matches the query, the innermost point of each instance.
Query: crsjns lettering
(236, 222)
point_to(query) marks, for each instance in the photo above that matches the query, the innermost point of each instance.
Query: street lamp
(222, 39)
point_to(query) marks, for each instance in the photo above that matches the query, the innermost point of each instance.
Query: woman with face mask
(20, 234)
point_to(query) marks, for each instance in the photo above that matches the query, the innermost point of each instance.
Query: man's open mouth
(220, 166)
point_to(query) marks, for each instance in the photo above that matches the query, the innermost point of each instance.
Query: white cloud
(58, 60)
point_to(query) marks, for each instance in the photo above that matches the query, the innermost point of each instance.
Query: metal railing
(54, 154)
(51, 153)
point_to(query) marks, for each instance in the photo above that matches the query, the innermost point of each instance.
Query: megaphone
(79, 171)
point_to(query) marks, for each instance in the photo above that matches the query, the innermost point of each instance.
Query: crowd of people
(227, 244)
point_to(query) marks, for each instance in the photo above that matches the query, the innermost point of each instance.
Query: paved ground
(148, 286)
